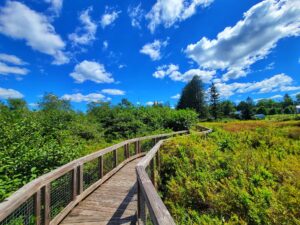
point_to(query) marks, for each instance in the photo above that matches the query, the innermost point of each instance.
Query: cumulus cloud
(56, 5)
(11, 59)
(93, 71)
(236, 48)
(176, 96)
(153, 50)
(93, 97)
(136, 14)
(113, 92)
(149, 103)
(9, 93)
(109, 17)
(168, 12)
(10, 64)
(20, 22)
(276, 83)
(84, 34)
(172, 71)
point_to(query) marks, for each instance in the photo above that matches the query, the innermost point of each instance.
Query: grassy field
(243, 173)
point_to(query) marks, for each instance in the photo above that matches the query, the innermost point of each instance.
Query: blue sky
(146, 51)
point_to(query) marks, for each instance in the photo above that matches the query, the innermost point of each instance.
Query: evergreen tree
(193, 97)
(214, 101)
(287, 101)
(298, 98)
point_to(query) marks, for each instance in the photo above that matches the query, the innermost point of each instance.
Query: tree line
(209, 106)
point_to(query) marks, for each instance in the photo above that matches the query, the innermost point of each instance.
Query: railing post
(37, 207)
(74, 183)
(115, 158)
(142, 217)
(100, 164)
(80, 179)
(47, 201)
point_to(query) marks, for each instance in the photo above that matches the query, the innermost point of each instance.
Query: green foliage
(214, 101)
(242, 173)
(193, 97)
(35, 142)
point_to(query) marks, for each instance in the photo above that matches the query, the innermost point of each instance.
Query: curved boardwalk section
(114, 202)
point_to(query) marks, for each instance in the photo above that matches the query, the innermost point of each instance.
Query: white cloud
(136, 15)
(6, 69)
(93, 97)
(176, 96)
(56, 5)
(11, 59)
(168, 12)
(276, 83)
(9, 93)
(84, 34)
(109, 17)
(149, 103)
(113, 92)
(105, 45)
(172, 71)
(93, 71)
(236, 48)
(153, 50)
(20, 22)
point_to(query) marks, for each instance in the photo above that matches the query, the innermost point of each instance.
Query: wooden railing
(151, 208)
(49, 198)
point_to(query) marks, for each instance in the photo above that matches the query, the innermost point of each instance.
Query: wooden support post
(115, 158)
(142, 216)
(155, 141)
(37, 207)
(139, 147)
(80, 179)
(47, 202)
(100, 164)
(74, 183)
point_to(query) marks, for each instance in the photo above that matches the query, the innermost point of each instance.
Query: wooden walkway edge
(108, 204)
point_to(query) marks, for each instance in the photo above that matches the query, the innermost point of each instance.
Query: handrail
(36, 196)
(147, 194)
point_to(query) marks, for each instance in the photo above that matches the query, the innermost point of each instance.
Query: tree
(193, 97)
(298, 98)
(227, 108)
(261, 110)
(16, 104)
(51, 102)
(287, 101)
(214, 101)
(246, 108)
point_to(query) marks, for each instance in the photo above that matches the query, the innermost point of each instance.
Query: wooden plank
(74, 183)
(100, 163)
(47, 202)
(37, 207)
(80, 179)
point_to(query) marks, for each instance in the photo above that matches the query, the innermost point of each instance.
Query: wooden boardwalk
(114, 202)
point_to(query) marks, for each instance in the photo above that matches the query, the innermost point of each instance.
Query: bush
(235, 176)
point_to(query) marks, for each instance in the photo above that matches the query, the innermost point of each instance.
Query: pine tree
(193, 97)
(214, 101)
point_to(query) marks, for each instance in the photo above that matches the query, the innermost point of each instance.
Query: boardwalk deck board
(114, 202)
